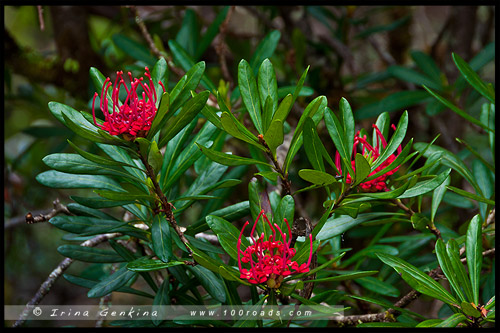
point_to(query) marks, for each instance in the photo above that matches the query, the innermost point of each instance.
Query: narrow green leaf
(453, 251)
(160, 236)
(418, 279)
(274, 135)
(473, 251)
(473, 79)
(268, 88)
(448, 269)
(313, 145)
(458, 111)
(343, 277)
(470, 195)
(89, 254)
(249, 94)
(362, 169)
(317, 177)
(56, 179)
(437, 196)
(146, 265)
(265, 49)
(227, 234)
(111, 283)
(211, 282)
(339, 139)
(228, 159)
(452, 321)
(425, 186)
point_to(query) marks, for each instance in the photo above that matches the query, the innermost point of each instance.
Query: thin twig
(58, 209)
(40, 17)
(388, 315)
(56, 273)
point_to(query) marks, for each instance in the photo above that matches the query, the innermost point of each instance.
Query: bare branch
(56, 273)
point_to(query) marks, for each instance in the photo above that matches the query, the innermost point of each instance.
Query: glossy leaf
(146, 265)
(160, 236)
(212, 284)
(417, 279)
(473, 79)
(89, 254)
(111, 283)
(473, 251)
(425, 186)
(250, 94)
(228, 159)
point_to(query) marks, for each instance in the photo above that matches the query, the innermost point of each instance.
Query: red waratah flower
(270, 260)
(371, 154)
(134, 117)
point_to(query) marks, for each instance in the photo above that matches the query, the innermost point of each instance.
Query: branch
(167, 206)
(56, 273)
(58, 209)
(221, 47)
(388, 315)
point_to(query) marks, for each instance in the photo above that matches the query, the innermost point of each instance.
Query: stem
(167, 206)
(410, 212)
(284, 177)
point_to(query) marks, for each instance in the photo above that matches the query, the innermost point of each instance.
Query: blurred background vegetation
(371, 55)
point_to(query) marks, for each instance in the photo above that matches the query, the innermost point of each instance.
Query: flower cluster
(270, 259)
(134, 117)
(371, 154)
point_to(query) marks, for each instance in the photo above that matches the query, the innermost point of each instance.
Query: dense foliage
(255, 182)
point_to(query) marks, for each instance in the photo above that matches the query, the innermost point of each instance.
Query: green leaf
(133, 48)
(427, 65)
(425, 186)
(417, 279)
(473, 79)
(264, 50)
(232, 126)
(343, 277)
(188, 112)
(76, 164)
(155, 158)
(437, 197)
(111, 283)
(56, 179)
(86, 283)
(470, 310)
(162, 241)
(285, 210)
(394, 102)
(284, 108)
(98, 159)
(317, 177)
(159, 74)
(448, 269)
(339, 138)
(470, 195)
(458, 267)
(409, 75)
(377, 286)
(228, 159)
(249, 94)
(210, 33)
(186, 62)
(457, 110)
(161, 298)
(268, 87)
(473, 250)
(395, 141)
(98, 202)
(348, 123)
(211, 282)
(90, 226)
(162, 115)
(335, 226)
(452, 321)
(89, 254)
(313, 145)
(274, 135)
(362, 169)
(227, 234)
(145, 264)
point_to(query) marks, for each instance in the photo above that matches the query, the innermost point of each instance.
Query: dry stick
(56, 273)
(436, 274)
(220, 48)
(167, 206)
(40, 17)
(58, 209)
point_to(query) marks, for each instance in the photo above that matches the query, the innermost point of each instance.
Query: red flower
(270, 260)
(371, 154)
(134, 117)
